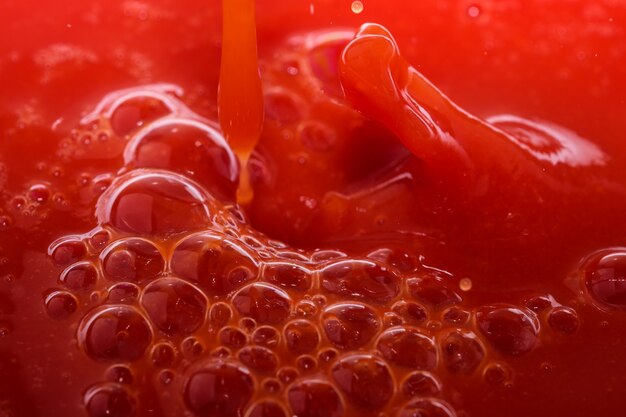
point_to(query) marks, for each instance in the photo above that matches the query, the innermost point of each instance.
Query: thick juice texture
(437, 226)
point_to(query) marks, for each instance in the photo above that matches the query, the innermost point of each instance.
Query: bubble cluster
(173, 284)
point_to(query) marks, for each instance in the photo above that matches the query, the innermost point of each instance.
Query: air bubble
(266, 409)
(301, 336)
(411, 312)
(263, 302)
(232, 337)
(187, 147)
(114, 333)
(120, 374)
(174, 306)
(511, 330)
(283, 106)
(327, 355)
(400, 259)
(540, 303)
(60, 304)
(496, 374)
(134, 110)
(564, 320)
(99, 240)
(39, 193)
(462, 352)
(434, 291)
(79, 277)
(150, 202)
(325, 255)
(163, 355)
(272, 385)
(287, 275)
(248, 324)
(357, 7)
(218, 388)
(350, 325)
(132, 260)
(287, 374)
(408, 347)
(306, 309)
(166, 376)
(219, 315)
(364, 379)
(67, 251)
(360, 280)
(266, 336)
(314, 398)
(109, 400)
(427, 407)
(473, 11)
(306, 363)
(604, 277)
(421, 384)
(123, 293)
(215, 263)
(191, 348)
(456, 316)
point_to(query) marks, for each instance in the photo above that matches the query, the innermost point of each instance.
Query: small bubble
(119, 374)
(272, 385)
(564, 320)
(163, 355)
(306, 362)
(473, 11)
(109, 400)
(60, 304)
(287, 374)
(6, 328)
(266, 336)
(465, 284)
(327, 355)
(5, 222)
(166, 376)
(495, 374)
(39, 193)
(191, 347)
(357, 7)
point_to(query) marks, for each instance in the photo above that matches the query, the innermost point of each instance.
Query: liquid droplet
(357, 7)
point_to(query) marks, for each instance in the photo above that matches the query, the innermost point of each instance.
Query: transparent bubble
(187, 147)
(427, 407)
(409, 347)
(233, 337)
(67, 251)
(259, 359)
(350, 325)
(79, 277)
(60, 304)
(314, 398)
(604, 277)
(263, 302)
(287, 275)
(462, 352)
(215, 263)
(218, 388)
(421, 384)
(132, 260)
(564, 320)
(109, 400)
(360, 280)
(364, 379)
(174, 306)
(511, 330)
(120, 374)
(114, 333)
(301, 336)
(150, 203)
(266, 336)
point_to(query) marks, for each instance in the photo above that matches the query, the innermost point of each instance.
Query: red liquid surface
(406, 253)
